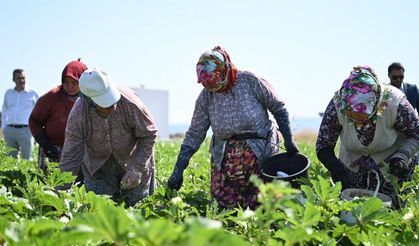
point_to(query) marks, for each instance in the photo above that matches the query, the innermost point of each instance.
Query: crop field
(32, 212)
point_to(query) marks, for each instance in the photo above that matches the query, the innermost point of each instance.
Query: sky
(304, 48)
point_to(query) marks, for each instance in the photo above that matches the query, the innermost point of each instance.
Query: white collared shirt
(17, 107)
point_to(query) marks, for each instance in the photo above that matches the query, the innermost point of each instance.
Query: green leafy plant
(34, 212)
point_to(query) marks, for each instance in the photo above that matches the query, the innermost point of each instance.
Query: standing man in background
(396, 75)
(17, 106)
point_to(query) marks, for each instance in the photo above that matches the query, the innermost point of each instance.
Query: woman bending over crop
(235, 105)
(378, 129)
(110, 137)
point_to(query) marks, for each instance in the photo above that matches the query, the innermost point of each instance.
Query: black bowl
(296, 166)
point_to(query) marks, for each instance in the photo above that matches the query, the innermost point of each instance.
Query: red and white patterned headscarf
(215, 70)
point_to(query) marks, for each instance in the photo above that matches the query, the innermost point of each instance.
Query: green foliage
(34, 212)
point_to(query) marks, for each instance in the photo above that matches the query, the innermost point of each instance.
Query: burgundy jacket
(51, 112)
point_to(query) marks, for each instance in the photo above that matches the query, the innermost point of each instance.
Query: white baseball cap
(96, 84)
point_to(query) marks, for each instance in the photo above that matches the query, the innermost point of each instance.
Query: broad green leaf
(311, 215)
(108, 222)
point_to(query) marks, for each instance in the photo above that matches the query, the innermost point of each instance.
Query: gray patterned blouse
(243, 109)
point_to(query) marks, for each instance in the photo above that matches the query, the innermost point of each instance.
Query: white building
(157, 101)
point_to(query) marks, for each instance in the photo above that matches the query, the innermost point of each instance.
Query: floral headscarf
(215, 70)
(360, 94)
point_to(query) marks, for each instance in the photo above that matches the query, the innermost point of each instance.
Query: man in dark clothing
(396, 75)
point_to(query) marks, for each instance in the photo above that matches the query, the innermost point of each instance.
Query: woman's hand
(291, 148)
(365, 163)
(175, 180)
(398, 167)
(131, 180)
(340, 173)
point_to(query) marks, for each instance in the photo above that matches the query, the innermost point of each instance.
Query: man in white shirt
(17, 106)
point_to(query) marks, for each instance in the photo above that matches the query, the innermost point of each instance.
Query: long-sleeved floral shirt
(128, 134)
(330, 129)
(243, 109)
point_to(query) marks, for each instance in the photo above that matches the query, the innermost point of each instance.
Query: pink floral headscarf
(360, 92)
(215, 70)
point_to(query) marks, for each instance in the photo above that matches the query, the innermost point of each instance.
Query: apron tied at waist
(218, 146)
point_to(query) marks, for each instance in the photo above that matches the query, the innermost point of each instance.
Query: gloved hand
(337, 169)
(176, 179)
(340, 173)
(130, 180)
(42, 165)
(50, 150)
(289, 144)
(291, 147)
(365, 163)
(398, 166)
